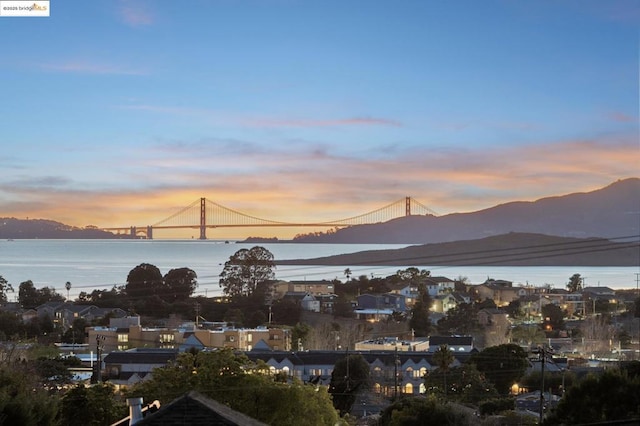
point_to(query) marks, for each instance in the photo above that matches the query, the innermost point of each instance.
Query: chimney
(135, 410)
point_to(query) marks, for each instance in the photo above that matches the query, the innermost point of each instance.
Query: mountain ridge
(609, 212)
(513, 249)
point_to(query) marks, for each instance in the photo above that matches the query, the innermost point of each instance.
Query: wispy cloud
(87, 67)
(135, 13)
(247, 120)
(621, 117)
(354, 121)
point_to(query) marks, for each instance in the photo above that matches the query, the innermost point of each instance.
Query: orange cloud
(304, 182)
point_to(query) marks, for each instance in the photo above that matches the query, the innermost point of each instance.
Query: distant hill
(610, 212)
(12, 228)
(513, 249)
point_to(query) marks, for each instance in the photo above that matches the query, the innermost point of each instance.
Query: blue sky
(118, 113)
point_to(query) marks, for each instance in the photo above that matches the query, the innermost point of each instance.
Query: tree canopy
(179, 284)
(418, 411)
(503, 365)
(419, 321)
(245, 270)
(575, 283)
(464, 384)
(30, 297)
(143, 281)
(233, 380)
(350, 375)
(5, 287)
(611, 396)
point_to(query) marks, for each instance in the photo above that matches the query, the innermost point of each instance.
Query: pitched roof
(195, 409)
(450, 340)
(141, 356)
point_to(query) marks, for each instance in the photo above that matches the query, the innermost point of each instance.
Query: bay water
(101, 264)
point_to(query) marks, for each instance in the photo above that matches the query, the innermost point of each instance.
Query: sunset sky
(119, 113)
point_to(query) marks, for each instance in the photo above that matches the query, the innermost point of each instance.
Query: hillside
(610, 212)
(513, 249)
(12, 228)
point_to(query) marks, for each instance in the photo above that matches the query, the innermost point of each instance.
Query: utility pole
(395, 374)
(542, 352)
(97, 374)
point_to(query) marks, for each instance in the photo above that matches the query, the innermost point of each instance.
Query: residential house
(409, 367)
(500, 291)
(126, 368)
(326, 302)
(408, 290)
(392, 344)
(531, 306)
(243, 339)
(191, 409)
(64, 313)
(439, 285)
(572, 303)
(126, 333)
(391, 301)
(376, 307)
(316, 288)
(457, 344)
(443, 302)
(306, 301)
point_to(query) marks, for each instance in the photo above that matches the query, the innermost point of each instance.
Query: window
(123, 338)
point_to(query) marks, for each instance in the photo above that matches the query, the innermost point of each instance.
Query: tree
(443, 357)
(553, 317)
(245, 269)
(179, 284)
(286, 311)
(94, 405)
(412, 274)
(598, 399)
(5, 287)
(461, 319)
(528, 334)
(10, 326)
(347, 273)
(299, 335)
(145, 280)
(420, 322)
(575, 283)
(22, 400)
(350, 375)
(233, 380)
(464, 384)
(30, 297)
(67, 286)
(418, 411)
(503, 365)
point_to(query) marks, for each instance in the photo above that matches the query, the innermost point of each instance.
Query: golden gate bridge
(204, 214)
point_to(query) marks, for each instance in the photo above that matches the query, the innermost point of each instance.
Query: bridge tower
(407, 203)
(133, 231)
(149, 232)
(203, 219)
